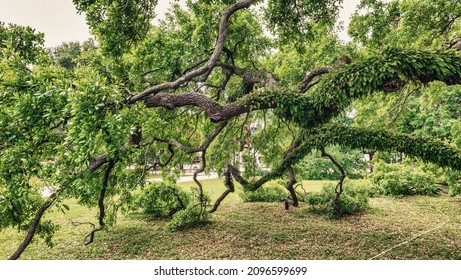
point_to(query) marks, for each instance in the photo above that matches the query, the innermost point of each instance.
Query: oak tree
(207, 82)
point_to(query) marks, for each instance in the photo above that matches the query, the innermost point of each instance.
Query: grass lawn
(410, 228)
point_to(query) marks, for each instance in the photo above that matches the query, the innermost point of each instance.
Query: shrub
(189, 217)
(401, 180)
(194, 214)
(452, 178)
(161, 199)
(352, 200)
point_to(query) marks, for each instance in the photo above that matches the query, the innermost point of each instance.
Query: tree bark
(33, 227)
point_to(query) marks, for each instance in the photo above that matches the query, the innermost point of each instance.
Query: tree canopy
(269, 79)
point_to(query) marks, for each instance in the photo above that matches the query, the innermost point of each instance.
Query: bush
(362, 186)
(453, 179)
(161, 199)
(400, 180)
(189, 217)
(352, 200)
(265, 194)
(166, 200)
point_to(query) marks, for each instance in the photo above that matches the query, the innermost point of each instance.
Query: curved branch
(222, 34)
(307, 82)
(170, 157)
(338, 89)
(290, 183)
(33, 227)
(339, 186)
(200, 187)
(102, 212)
(230, 189)
(251, 76)
(211, 108)
(200, 148)
(427, 149)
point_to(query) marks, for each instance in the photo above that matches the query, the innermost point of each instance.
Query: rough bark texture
(213, 110)
(290, 187)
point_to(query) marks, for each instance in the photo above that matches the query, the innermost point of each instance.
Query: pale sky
(59, 20)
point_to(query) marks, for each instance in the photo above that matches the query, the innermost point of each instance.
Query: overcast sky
(60, 22)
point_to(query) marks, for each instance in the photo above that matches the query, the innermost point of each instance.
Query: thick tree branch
(102, 212)
(33, 227)
(308, 80)
(290, 183)
(427, 149)
(222, 34)
(338, 89)
(212, 109)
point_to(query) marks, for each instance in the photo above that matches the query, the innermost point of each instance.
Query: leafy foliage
(299, 18)
(161, 199)
(352, 201)
(400, 180)
(191, 216)
(90, 122)
(416, 23)
(118, 24)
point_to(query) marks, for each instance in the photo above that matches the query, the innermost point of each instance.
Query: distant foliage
(401, 180)
(299, 18)
(353, 200)
(316, 167)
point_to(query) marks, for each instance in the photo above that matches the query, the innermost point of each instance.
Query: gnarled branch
(33, 227)
(222, 34)
(102, 212)
(339, 187)
(202, 147)
(308, 82)
(230, 189)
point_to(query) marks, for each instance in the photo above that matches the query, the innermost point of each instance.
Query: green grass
(263, 231)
